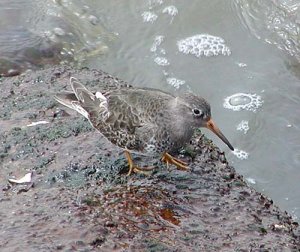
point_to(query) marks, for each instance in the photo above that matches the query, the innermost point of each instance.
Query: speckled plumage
(139, 119)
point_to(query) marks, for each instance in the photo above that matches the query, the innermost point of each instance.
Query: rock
(83, 201)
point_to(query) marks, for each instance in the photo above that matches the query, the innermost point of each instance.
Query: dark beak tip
(211, 125)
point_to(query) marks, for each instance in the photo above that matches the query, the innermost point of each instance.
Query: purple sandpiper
(143, 120)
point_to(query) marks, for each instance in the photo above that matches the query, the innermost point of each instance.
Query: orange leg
(168, 159)
(134, 168)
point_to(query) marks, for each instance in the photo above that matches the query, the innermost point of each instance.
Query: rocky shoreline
(81, 200)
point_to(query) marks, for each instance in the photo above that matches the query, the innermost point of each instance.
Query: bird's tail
(84, 101)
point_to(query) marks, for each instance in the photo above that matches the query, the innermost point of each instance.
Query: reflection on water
(157, 45)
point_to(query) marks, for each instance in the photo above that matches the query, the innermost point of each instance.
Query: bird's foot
(168, 159)
(134, 168)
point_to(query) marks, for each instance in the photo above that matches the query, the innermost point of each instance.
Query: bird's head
(200, 111)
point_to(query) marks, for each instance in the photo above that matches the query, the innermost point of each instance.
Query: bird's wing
(144, 102)
(124, 113)
(139, 113)
(121, 112)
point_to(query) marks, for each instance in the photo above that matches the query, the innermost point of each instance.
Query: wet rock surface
(81, 199)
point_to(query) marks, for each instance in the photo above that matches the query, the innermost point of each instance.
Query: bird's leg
(130, 162)
(134, 168)
(168, 159)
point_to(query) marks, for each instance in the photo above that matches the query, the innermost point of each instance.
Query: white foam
(162, 51)
(240, 64)
(170, 10)
(243, 101)
(161, 61)
(176, 83)
(240, 154)
(203, 45)
(243, 126)
(157, 42)
(149, 17)
(155, 2)
(251, 180)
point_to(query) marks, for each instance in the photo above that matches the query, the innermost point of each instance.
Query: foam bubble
(176, 83)
(161, 61)
(251, 180)
(243, 126)
(155, 2)
(157, 42)
(203, 45)
(170, 10)
(243, 101)
(165, 73)
(149, 17)
(59, 31)
(162, 51)
(240, 154)
(240, 64)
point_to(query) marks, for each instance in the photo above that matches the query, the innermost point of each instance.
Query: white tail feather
(84, 101)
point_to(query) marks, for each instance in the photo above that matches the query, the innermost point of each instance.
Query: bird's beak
(214, 128)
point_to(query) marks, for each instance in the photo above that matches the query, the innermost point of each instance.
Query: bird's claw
(168, 159)
(134, 168)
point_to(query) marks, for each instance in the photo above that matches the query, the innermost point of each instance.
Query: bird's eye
(197, 112)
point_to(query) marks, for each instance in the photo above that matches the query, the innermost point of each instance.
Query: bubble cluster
(161, 61)
(240, 154)
(155, 2)
(170, 10)
(176, 83)
(157, 42)
(240, 64)
(203, 45)
(243, 101)
(243, 126)
(149, 17)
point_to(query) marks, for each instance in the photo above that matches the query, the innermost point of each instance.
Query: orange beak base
(214, 128)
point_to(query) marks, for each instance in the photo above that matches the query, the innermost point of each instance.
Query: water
(243, 56)
(268, 153)
(36, 33)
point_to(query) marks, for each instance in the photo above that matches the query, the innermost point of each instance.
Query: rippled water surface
(243, 56)
(36, 33)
